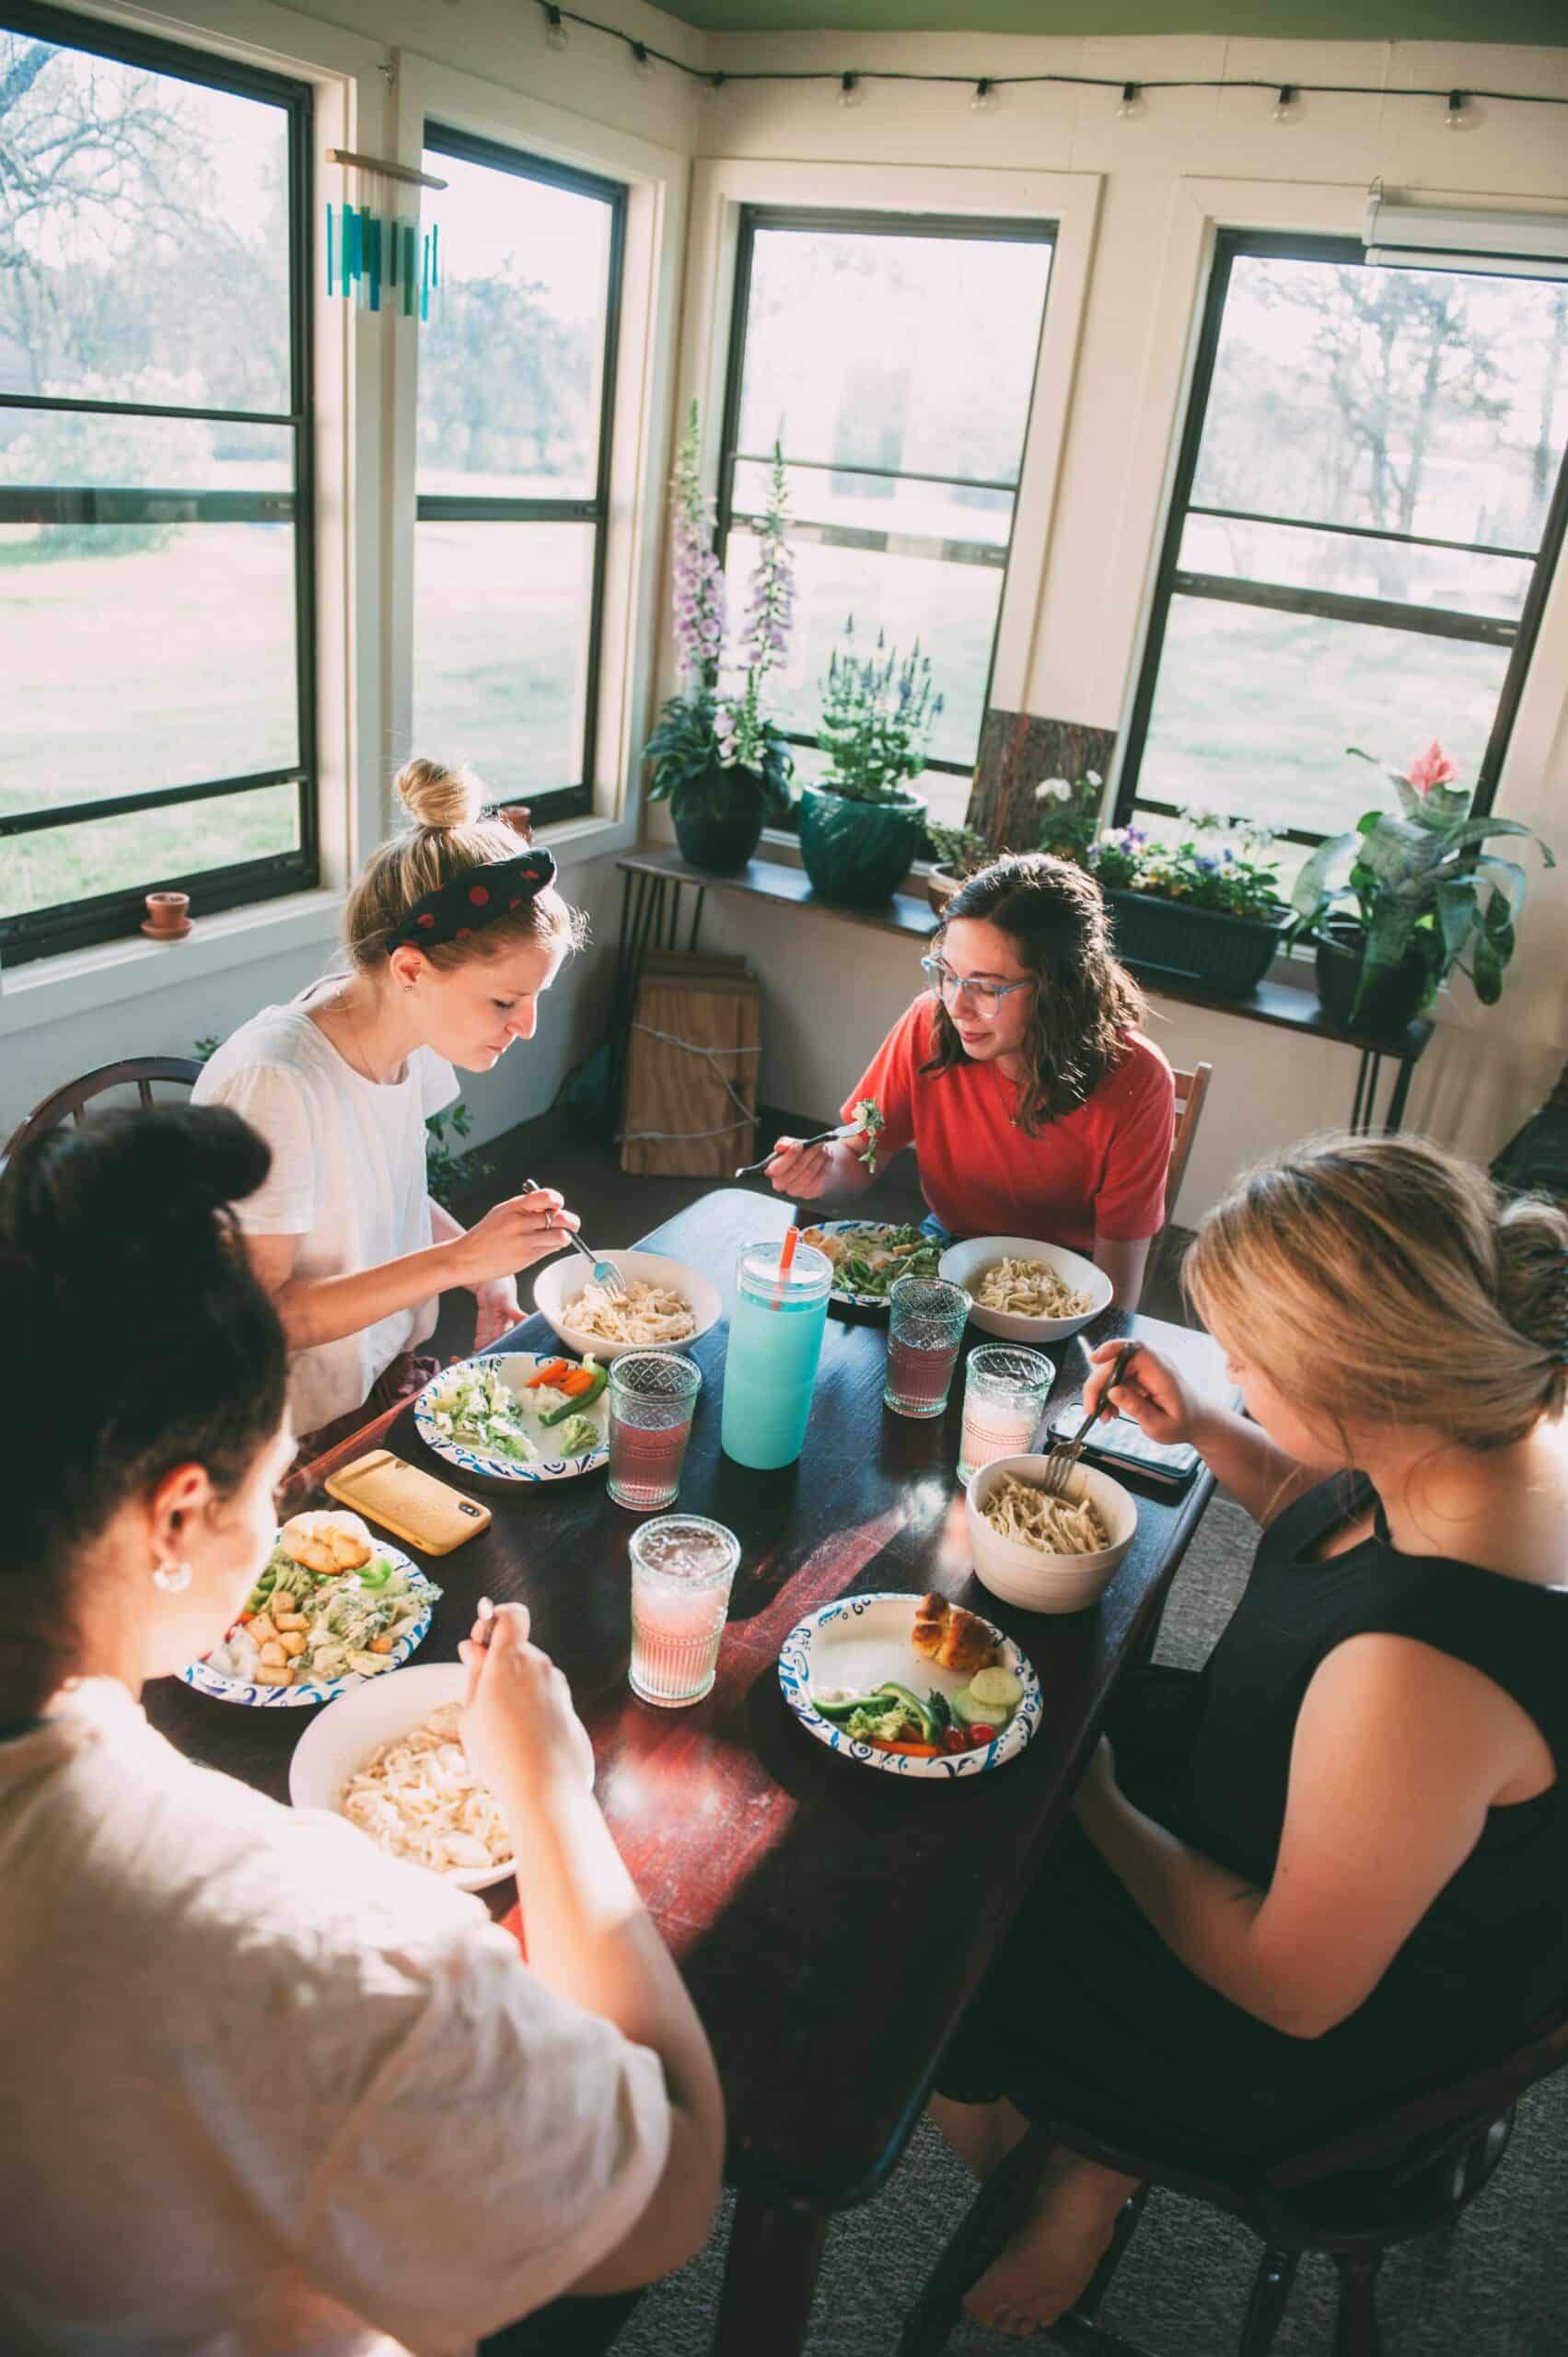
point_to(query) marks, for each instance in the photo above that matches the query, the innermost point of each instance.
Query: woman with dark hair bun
(268, 2089)
(1033, 1100)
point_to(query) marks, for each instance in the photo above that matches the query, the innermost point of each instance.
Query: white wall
(1077, 590)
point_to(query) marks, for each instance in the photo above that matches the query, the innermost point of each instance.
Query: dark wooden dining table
(832, 1922)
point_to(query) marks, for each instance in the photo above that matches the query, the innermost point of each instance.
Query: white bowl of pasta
(1023, 1290)
(1046, 1553)
(668, 1307)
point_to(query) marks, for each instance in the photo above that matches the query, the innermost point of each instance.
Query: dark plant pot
(858, 852)
(1394, 999)
(1227, 954)
(723, 840)
(941, 885)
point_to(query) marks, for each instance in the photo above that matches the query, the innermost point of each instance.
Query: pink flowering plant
(711, 744)
(1418, 882)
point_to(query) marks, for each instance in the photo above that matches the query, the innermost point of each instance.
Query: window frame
(112, 916)
(1231, 244)
(448, 139)
(1011, 229)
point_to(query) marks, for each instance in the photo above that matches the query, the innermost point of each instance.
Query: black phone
(1117, 1444)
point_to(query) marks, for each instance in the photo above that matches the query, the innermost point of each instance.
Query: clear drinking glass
(1004, 1394)
(926, 1318)
(683, 1566)
(652, 1396)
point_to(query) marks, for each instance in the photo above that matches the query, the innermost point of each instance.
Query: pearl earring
(173, 1578)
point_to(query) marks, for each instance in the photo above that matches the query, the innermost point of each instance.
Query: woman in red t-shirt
(1035, 1104)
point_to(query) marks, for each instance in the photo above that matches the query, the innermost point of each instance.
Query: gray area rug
(1497, 2287)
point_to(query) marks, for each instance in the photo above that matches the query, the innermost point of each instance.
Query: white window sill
(51, 990)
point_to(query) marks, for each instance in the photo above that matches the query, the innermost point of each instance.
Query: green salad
(477, 1405)
(871, 1259)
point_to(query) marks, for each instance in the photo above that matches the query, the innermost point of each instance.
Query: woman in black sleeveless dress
(1333, 1864)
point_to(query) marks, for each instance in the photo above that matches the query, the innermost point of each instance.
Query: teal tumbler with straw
(775, 1341)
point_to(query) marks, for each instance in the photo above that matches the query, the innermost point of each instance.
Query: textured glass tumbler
(683, 1566)
(652, 1396)
(1005, 1389)
(926, 1318)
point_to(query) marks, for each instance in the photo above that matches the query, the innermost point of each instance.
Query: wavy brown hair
(1054, 915)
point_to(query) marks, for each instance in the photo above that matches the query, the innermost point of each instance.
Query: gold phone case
(411, 1504)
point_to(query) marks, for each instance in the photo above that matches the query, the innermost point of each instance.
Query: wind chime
(378, 256)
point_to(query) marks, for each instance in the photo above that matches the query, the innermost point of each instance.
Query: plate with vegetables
(332, 1608)
(911, 1686)
(869, 1257)
(518, 1416)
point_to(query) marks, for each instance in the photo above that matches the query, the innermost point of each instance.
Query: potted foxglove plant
(723, 767)
(1420, 897)
(861, 830)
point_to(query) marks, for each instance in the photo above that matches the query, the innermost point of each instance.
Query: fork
(604, 1271)
(823, 1137)
(1061, 1460)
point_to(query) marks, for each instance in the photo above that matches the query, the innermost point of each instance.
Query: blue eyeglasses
(985, 997)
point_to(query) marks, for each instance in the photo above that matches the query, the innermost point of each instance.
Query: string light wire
(1455, 101)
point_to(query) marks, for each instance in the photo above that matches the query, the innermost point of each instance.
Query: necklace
(356, 1059)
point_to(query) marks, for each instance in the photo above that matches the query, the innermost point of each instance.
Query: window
(893, 358)
(155, 630)
(1367, 508)
(516, 389)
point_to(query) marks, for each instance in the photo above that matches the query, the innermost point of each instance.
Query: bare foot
(1055, 2251)
(981, 2134)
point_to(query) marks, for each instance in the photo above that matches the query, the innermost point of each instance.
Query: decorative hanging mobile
(377, 258)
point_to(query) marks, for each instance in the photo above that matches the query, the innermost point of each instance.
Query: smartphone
(412, 1504)
(1117, 1444)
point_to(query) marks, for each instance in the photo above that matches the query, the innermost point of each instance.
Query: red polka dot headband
(474, 897)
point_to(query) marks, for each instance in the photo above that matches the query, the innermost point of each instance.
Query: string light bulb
(1131, 108)
(1459, 117)
(849, 92)
(984, 98)
(642, 64)
(554, 28)
(1286, 106)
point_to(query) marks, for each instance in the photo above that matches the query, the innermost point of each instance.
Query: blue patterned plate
(516, 1369)
(873, 1230)
(304, 1698)
(862, 1640)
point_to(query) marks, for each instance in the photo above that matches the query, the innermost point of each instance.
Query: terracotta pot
(169, 916)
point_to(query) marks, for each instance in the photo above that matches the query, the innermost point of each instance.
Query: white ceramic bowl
(1048, 1583)
(339, 1742)
(966, 1264)
(559, 1286)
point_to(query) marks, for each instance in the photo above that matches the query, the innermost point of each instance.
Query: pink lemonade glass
(683, 1566)
(1005, 1389)
(926, 1318)
(652, 1396)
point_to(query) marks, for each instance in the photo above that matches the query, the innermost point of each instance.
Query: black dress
(1087, 2016)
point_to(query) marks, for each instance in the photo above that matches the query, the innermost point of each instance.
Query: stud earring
(173, 1578)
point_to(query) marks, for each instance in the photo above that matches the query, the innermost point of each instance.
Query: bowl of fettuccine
(1026, 1292)
(1046, 1553)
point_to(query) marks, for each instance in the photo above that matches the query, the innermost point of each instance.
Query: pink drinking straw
(785, 1257)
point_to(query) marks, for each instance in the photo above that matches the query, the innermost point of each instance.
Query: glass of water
(651, 1397)
(926, 1318)
(1005, 1389)
(682, 1567)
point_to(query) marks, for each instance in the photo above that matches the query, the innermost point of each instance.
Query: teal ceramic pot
(859, 853)
(723, 842)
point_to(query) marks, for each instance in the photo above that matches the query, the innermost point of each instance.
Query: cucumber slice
(968, 1712)
(998, 1687)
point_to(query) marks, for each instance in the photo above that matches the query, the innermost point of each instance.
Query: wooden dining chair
(1191, 1087)
(1389, 2176)
(70, 1101)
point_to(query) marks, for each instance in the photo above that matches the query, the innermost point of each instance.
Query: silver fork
(1062, 1456)
(604, 1271)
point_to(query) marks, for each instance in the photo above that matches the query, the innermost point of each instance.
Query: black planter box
(1223, 953)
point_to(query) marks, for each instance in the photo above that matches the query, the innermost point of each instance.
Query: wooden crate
(695, 1040)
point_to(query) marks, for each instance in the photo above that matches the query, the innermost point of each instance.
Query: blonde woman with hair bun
(1331, 1869)
(453, 933)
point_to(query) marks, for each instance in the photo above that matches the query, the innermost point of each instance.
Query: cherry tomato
(981, 1736)
(955, 1740)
